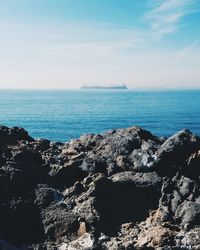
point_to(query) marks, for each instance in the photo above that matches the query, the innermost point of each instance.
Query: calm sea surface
(63, 115)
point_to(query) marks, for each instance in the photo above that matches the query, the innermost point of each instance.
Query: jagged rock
(192, 168)
(123, 189)
(155, 237)
(188, 240)
(45, 196)
(188, 213)
(187, 187)
(176, 149)
(155, 233)
(93, 164)
(41, 145)
(13, 135)
(85, 242)
(57, 221)
(139, 180)
(142, 161)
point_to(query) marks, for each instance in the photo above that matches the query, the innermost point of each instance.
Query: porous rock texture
(124, 189)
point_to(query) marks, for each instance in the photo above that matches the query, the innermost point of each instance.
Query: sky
(58, 44)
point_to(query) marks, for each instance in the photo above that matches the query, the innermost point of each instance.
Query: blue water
(63, 115)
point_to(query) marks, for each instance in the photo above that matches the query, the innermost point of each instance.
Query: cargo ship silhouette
(112, 86)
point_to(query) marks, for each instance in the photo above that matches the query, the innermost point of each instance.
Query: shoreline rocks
(123, 189)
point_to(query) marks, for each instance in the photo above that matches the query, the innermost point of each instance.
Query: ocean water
(63, 115)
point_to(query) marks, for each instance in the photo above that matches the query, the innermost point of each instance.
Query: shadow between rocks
(21, 223)
(123, 203)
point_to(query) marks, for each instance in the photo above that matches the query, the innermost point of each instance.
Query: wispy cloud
(94, 40)
(187, 50)
(164, 16)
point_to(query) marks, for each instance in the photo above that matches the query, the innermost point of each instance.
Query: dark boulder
(20, 222)
(44, 196)
(175, 150)
(12, 183)
(120, 200)
(63, 176)
(57, 221)
(13, 135)
(192, 165)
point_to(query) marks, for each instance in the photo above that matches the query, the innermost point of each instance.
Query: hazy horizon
(144, 88)
(64, 44)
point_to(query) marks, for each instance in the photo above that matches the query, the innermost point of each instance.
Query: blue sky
(67, 43)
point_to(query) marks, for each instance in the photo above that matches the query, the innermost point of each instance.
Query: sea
(67, 114)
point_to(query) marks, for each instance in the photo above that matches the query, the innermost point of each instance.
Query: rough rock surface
(124, 189)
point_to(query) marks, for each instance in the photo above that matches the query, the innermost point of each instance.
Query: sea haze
(63, 115)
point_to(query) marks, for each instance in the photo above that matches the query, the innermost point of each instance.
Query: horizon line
(79, 89)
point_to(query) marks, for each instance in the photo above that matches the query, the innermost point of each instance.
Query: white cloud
(164, 16)
(100, 40)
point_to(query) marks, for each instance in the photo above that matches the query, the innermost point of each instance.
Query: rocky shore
(124, 189)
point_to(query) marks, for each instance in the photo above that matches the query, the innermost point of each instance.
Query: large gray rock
(188, 213)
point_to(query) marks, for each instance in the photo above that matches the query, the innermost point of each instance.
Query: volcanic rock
(123, 189)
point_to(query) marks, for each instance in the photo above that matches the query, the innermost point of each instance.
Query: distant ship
(119, 86)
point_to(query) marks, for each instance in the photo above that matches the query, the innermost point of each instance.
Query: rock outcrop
(124, 189)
